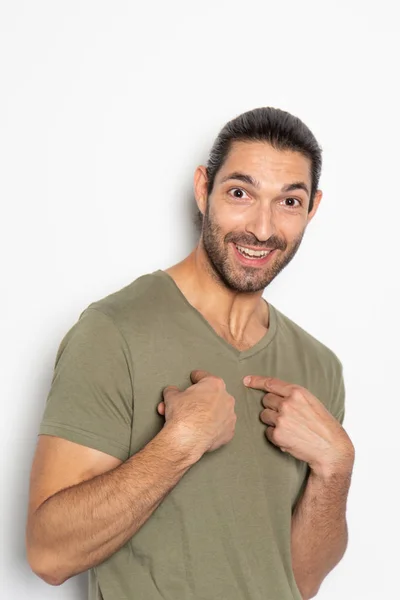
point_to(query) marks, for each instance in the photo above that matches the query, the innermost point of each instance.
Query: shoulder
(131, 306)
(312, 349)
(315, 365)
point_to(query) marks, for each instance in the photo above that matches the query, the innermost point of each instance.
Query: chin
(243, 282)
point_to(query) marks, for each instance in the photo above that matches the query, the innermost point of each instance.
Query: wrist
(180, 440)
(337, 461)
(333, 469)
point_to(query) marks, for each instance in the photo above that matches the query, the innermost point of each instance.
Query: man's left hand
(298, 423)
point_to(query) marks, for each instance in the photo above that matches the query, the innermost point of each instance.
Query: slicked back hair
(266, 124)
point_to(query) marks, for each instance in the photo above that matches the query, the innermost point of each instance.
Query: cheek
(230, 212)
(230, 220)
(290, 227)
(244, 220)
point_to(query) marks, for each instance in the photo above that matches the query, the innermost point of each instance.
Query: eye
(238, 193)
(293, 205)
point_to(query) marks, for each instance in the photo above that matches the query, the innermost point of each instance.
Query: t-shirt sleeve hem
(85, 438)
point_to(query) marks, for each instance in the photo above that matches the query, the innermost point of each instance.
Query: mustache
(272, 244)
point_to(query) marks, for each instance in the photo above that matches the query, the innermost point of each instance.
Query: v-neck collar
(239, 354)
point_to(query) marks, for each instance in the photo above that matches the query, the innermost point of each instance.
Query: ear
(317, 200)
(200, 188)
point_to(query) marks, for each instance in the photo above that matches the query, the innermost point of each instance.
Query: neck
(237, 314)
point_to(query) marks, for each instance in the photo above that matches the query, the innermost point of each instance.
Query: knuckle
(296, 392)
(285, 407)
(289, 403)
(218, 382)
(274, 435)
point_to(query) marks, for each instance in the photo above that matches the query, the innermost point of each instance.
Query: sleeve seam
(49, 423)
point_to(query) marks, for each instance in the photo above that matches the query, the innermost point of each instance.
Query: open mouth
(252, 253)
(248, 256)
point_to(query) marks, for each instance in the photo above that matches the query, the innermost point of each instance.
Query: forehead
(266, 164)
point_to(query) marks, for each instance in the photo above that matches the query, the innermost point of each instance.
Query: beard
(236, 277)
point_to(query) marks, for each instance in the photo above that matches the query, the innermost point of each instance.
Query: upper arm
(87, 421)
(59, 463)
(90, 401)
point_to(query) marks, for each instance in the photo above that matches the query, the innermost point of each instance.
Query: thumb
(167, 392)
(197, 375)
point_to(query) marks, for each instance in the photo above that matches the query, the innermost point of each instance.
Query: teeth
(253, 253)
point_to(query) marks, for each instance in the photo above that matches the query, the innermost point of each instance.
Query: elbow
(44, 567)
(308, 589)
(45, 571)
(50, 578)
(309, 593)
(48, 575)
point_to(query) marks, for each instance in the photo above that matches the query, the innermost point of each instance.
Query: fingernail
(247, 380)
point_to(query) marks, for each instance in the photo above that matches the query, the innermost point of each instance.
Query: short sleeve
(338, 403)
(90, 400)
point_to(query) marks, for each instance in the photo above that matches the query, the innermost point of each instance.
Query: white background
(106, 109)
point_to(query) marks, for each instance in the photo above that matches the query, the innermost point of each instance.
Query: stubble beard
(236, 277)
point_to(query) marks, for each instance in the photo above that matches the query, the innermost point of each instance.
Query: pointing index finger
(267, 384)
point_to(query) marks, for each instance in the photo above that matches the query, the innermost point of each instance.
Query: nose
(261, 223)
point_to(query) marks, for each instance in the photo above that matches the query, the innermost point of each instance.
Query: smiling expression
(256, 215)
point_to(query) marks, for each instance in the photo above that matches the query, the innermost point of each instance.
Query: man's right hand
(203, 415)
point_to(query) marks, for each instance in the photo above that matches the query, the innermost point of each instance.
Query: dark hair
(277, 127)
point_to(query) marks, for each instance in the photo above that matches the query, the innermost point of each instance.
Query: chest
(249, 461)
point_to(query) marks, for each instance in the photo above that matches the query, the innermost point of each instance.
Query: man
(192, 442)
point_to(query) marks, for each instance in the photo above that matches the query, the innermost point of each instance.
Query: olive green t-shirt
(223, 533)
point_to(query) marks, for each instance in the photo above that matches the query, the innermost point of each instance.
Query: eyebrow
(290, 187)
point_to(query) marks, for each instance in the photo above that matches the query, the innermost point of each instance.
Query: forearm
(81, 526)
(319, 529)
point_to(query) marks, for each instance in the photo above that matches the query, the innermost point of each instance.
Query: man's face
(260, 202)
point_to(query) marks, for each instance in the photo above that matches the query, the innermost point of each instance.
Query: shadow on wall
(191, 218)
(36, 388)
